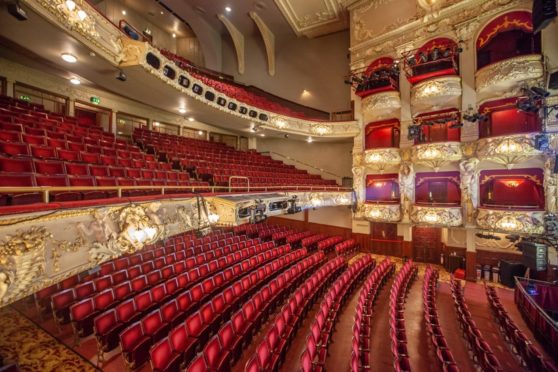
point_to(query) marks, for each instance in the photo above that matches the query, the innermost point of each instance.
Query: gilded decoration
(406, 188)
(276, 121)
(22, 262)
(443, 92)
(382, 212)
(437, 216)
(503, 79)
(520, 222)
(382, 159)
(381, 106)
(436, 155)
(508, 150)
(550, 186)
(469, 184)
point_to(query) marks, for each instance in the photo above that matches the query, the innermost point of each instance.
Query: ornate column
(406, 189)
(113, 122)
(10, 87)
(467, 67)
(469, 189)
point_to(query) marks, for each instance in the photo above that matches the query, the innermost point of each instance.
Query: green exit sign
(25, 98)
(95, 100)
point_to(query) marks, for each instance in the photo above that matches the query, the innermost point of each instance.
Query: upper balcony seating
(249, 95)
(217, 162)
(438, 57)
(382, 75)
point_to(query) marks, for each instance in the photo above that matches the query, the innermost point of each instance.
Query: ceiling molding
(238, 41)
(268, 39)
(312, 18)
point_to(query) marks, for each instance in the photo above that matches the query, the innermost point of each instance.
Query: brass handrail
(46, 190)
(239, 178)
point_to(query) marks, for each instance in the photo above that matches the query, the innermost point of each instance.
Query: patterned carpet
(24, 343)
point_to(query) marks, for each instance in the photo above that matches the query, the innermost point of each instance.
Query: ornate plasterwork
(313, 18)
(269, 41)
(458, 19)
(382, 159)
(407, 188)
(437, 216)
(276, 121)
(95, 31)
(508, 150)
(519, 222)
(469, 178)
(441, 93)
(436, 155)
(504, 78)
(238, 41)
(382, 212)
(381, 106)
(550, 186)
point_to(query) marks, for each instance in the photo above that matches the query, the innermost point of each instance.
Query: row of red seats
(346, 248)
(483, 355)
(314, 355)
(397, 297)
(520, 344)
(179, 348)
(200, 319)
(146, 276)
(225, 348)
(271, 350)
(429, 289)
(312, 240)
(282, 235)
(296, 238)
(266, 234)
(362, 328)
(328, 244)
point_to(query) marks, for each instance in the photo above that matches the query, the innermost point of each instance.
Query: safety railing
(231, 178)
(163, 190)
(338, 178)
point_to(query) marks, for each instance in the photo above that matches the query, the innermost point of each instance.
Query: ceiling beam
(268, 39)
(238, 41)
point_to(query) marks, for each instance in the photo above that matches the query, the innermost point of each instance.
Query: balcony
(508, 150)
(437, 215)
(382, 159)
(382, 212)
(440, 92)
(498, 79)
(381, 106)
(507, 221)
(436, 155)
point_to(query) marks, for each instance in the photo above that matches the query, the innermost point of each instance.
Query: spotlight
(286, 135)
(411, 61)
(541, 142)
(423, 57)
(310, 140)
(414, 132)
(456, 125)
(121, 76)
(446, 53)
(487, 236)
(191, 119)
(540, 92)
(435, 54)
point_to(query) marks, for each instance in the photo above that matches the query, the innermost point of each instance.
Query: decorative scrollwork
(382, 159)
(382, 212)
(442, 92)
(436, 155)
(437, 216)
(508, 150)
(526, 222)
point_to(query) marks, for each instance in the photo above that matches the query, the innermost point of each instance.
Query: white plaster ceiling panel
(313, 18)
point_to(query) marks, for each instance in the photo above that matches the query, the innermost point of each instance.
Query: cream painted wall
(331, 216)
(317, 65)
(15, 72)
(333, 157)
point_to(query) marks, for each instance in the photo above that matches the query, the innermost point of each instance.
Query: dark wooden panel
(492, 257)
(427, 244)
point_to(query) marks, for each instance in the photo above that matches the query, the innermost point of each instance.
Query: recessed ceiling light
(200, 132)
(123, 12)
(191, 119)
(228, 8)
(162, 12)
(173, 35)
(155, 123)
(182, 110)
(310, 140)
(75, 81)
(68, 57)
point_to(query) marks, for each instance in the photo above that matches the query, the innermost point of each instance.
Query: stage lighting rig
(487, 236)
(293, 208)
(473, 116)
(414, 132)
(258, 211)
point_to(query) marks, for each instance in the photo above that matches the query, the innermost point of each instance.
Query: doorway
(427, 244)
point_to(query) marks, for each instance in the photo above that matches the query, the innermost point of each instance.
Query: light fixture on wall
(182, 110)
(309, 140)
(191, 119)
(200, 132)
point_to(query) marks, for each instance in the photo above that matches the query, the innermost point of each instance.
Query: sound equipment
(553, 80)
(534, 255)
(544, 11)
(508, 270)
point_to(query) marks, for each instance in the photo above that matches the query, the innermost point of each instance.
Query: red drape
(521, 188)
(505, 119)
(382, 134)
(382, 187)
(437, 188)
(518, 20)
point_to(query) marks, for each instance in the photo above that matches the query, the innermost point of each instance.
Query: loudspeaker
(508, 270)
(543, 13)
(553, 80)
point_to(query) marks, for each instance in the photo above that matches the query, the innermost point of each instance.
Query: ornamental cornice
(508, 150)
(519, 222)
(382, 212)
(436, 155)
(503, 79)
(276, 121)
(436, 216)
(443, 92)
(453, 20)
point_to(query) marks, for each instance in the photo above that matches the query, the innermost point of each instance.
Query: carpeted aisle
(23, 342)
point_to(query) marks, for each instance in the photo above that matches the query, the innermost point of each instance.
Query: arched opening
(439, 126)
(503, 118)
(382, 188)
(382, 134)
(520, 189)
(510, 35)
(438, 189)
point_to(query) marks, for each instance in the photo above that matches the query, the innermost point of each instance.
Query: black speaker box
(508, 270)
(553, 80)
(544, 11)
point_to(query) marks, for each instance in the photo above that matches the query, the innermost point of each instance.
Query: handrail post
(162, 191)
(119, 192)
(46, 197)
